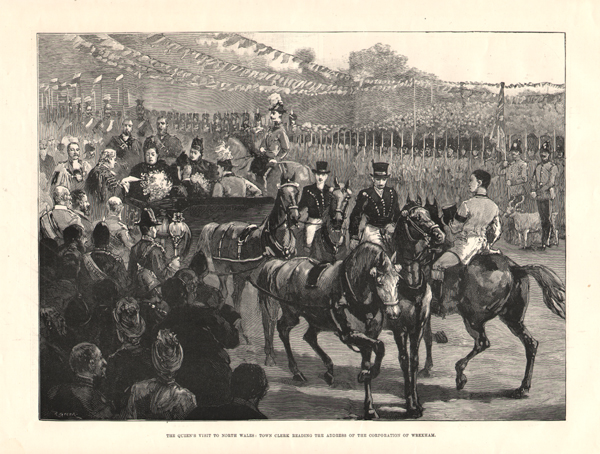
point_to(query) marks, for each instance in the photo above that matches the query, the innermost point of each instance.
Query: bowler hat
(147, 218)
(380, 169)
(321, 167)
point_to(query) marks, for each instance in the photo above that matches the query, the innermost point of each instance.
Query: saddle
(315, 273)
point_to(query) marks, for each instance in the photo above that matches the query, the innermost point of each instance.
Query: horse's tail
(204, 243)
(552, 287)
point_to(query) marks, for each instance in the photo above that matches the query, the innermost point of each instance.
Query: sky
(454, 57)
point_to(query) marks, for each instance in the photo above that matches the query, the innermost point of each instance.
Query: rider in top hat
(275, 143)
(315, 199)
(148, 265)
(379, 204)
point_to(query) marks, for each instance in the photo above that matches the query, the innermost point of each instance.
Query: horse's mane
(362, 259)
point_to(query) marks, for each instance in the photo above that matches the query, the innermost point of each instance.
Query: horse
(366, 279)
(329, 243)
(241, 159)
(237, 248)
(491, 286)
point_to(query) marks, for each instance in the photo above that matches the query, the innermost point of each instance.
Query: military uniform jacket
(380, 211)
(126, 148)
(167, 146)
(276, 142)
(545, 179)
(120, 239)
(315, 200)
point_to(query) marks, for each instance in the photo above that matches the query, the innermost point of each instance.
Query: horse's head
(287, 194)
(384, 283)
(415, 234)
(340, 198)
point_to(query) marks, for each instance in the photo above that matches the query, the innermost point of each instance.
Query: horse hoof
(371, 415)
(270, 361)
(414, 413)
(363, 376)
(424, 373)
(461, 382)
(519, 393)
(328, 377)
(299, 378)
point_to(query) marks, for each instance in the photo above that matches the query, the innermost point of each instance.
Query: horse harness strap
(243, 238)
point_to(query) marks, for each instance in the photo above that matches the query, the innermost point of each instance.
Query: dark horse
(329, 243)
(237, 248)
(491, 285)
(366, 279)
(413, 235)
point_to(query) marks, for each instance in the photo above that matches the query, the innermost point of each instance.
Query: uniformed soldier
(101, 263)
(128, 148)
(516, 173)
(315, 199)
(121, 241)
(379, 204)
(544, 191)
(55, 221)
(167, 146)
(476, 227)
(275, 144)
(148, 265)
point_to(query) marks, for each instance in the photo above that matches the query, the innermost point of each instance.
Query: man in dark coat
(205, 334)
(379, 204)
(316, 199)
(167, 145)
(81, 399)
(129, 149)
(148, 266)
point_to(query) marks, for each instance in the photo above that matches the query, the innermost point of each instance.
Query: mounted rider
(275, 143)
(476, 227)
(315, 199)
(379, 204)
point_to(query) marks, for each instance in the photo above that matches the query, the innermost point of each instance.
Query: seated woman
(196, 174)
(153, 179)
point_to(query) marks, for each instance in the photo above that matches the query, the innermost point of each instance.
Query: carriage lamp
(177, 230)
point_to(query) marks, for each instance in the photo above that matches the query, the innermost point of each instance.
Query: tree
(306, 53)
(381, 62)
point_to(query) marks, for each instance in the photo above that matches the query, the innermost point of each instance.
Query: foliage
(306, 53)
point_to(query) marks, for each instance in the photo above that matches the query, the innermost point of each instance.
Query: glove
(508, 183)
(353, 243)
(533, 195)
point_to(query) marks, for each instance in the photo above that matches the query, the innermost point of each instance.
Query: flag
(98, 79)
(76, 78)
(499, 124)
(119, 78)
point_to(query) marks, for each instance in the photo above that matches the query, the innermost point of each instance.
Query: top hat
(197, 144)
(380, 169)
(321, 167)
(147, 218)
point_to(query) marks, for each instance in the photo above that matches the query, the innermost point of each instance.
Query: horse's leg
(285, 324)
(428, 338)
(415, 341)
(477, 332)
(223, 286)
(514, 320)
(402, 340)
(311, 338)
(267, 307)
(239, 283)
(369, 408)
